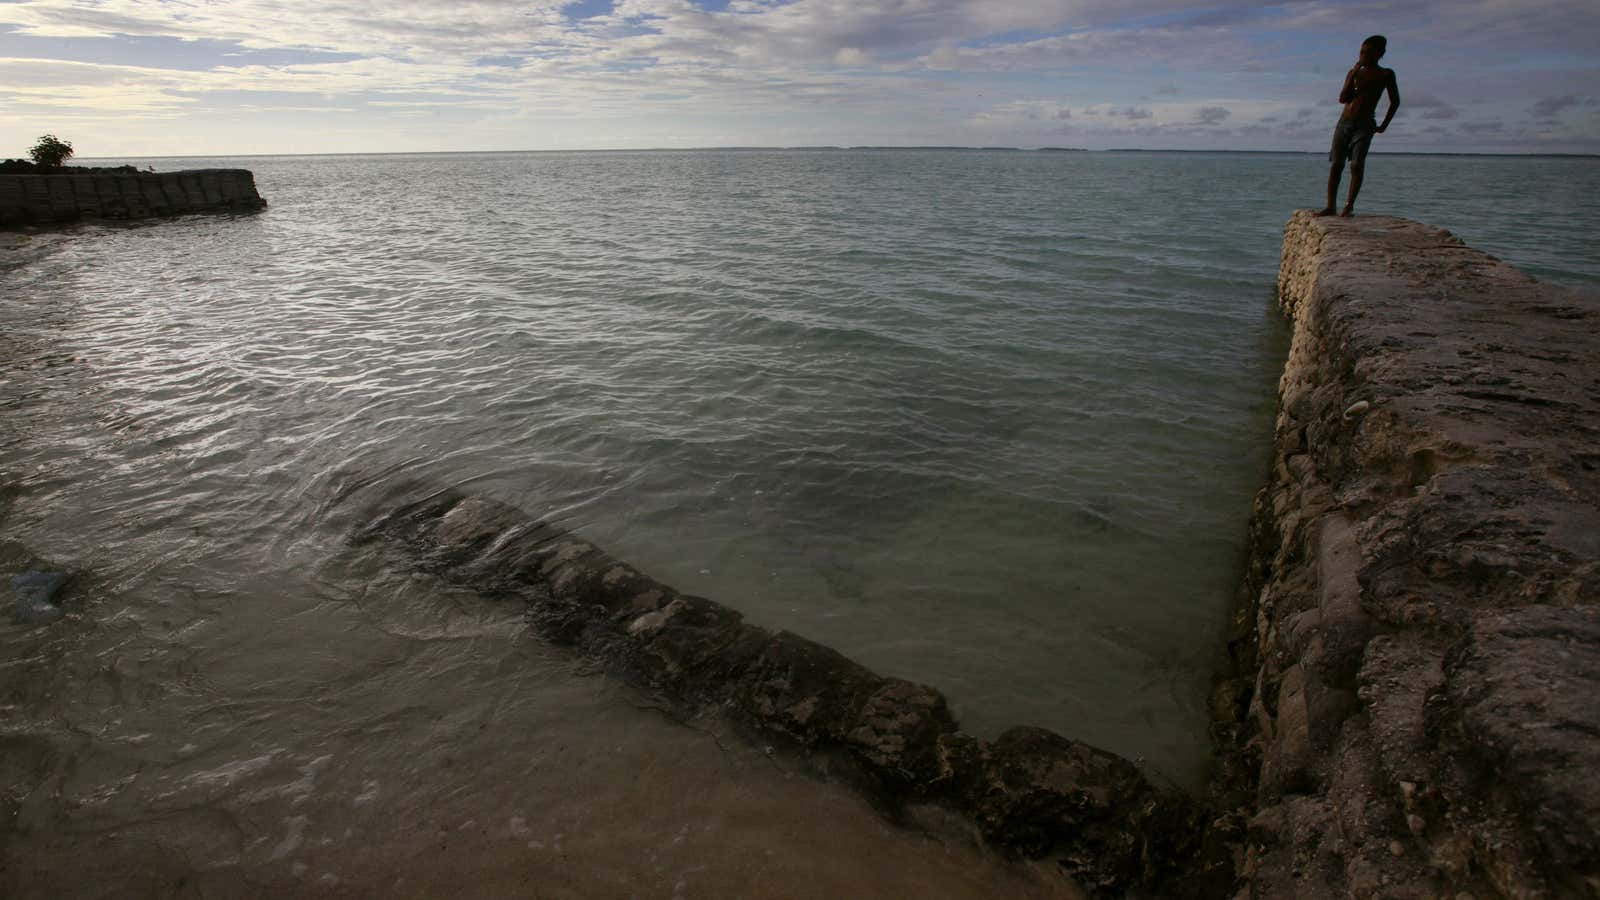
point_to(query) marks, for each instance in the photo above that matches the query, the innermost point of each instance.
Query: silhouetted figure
(1352, 137)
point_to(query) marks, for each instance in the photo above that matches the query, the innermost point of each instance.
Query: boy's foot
(1327, 211)
(1349, 211)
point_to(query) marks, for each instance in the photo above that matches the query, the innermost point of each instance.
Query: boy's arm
(1393, 88)
(1348, 92)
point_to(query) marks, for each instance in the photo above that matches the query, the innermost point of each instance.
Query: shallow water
(406, 741)
(985, 420)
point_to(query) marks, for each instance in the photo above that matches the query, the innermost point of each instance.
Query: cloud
(1550, 107)
(51, 84)
(407, 29)
(1502, 29)
(668, 30)
(1110, 49)
(1433, 109)
(523, 72)
(751, 54)
(1017, 112)
(851, 57)
(814, 29)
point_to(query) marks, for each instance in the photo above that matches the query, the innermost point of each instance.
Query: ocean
(987, 420)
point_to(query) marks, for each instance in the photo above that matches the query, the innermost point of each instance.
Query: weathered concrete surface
(1029, 791)
(1416, 707)
(48, 199)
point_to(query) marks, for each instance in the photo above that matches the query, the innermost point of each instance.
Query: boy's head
(1372, 48)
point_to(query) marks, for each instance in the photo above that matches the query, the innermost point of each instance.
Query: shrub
(50, 151)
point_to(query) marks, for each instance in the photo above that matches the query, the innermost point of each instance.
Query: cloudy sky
(170, 77)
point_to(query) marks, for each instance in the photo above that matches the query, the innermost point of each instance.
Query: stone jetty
(1029, 791)
(67, 197)
(1413, 708)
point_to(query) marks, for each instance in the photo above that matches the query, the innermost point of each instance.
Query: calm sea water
(987, 420)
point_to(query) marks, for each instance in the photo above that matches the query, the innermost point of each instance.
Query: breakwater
(1030, 791)
(1417, 646)
(49, 199)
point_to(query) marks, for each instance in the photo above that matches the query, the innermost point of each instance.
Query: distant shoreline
(843, 149)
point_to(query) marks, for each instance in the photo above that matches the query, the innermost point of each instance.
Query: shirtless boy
(1353, 135)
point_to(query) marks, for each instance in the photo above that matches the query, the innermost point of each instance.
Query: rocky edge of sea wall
(1029, 791)
(1414, 709)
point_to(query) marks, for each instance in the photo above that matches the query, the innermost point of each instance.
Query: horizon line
(834, 148)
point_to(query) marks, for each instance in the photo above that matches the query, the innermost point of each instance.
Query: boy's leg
(1337, 155)
(1358, 166)
(1356, 171)
(1334, 171)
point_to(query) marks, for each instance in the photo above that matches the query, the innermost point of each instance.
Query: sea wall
(1029, 792)
(49, 199)
(1413, 706)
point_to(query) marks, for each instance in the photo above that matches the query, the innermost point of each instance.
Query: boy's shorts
(1351, 140)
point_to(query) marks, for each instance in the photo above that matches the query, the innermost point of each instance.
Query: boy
(1353, 135)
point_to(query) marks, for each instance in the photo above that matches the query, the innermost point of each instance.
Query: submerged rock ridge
(49, 199)
(1030, 791)
(1414, 707)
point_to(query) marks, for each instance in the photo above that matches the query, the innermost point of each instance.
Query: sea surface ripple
(990, 421)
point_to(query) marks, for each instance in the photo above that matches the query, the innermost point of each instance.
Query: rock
(1043, 794)
(33, 595)
(1031, 792)
(1520, 718)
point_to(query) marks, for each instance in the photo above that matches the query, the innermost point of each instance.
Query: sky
(127, 78)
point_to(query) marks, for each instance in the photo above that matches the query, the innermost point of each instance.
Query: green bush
(50, 151)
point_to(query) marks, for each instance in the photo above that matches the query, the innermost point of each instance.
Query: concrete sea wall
(1413, 710)
(48, 199)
